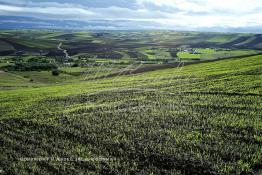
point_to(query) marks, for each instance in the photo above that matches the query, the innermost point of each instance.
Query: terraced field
(198, 119)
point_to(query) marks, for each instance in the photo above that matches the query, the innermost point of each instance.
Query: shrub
(30, 67)
(55, 72)
(75, 65)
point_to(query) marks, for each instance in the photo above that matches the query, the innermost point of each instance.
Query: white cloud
(45, 10)
(178, 4)
(209, 13)
(81, 13)
(171, 14)
(229, 6)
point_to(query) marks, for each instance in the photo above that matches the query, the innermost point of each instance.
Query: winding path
(64, 50)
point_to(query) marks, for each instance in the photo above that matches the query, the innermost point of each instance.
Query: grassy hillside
(150, 47)
(197, 119)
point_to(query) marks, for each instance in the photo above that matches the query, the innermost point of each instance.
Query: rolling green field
(121, 47)
(209, 54)
(198, 119)
(184, 118)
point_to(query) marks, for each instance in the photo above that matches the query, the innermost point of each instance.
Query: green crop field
(125, 117)
(209, 54)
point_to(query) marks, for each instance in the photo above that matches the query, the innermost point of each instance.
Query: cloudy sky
(205, 15)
